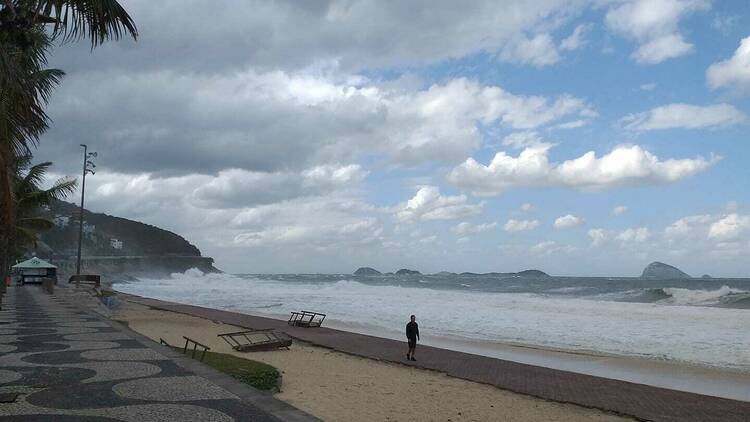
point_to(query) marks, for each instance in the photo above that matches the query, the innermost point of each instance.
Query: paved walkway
(60, 363)
(638, 400)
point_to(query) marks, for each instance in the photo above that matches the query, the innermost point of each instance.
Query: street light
(88, 167)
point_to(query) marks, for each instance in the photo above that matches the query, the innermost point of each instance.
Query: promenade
(62, 363)
(637, 400)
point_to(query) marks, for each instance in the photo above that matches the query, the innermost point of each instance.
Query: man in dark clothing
(412, 335)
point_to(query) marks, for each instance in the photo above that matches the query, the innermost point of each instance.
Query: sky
(583, 138)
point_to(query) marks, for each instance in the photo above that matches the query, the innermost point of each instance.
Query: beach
(336, 386)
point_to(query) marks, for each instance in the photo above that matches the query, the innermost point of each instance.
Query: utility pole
(88, 167)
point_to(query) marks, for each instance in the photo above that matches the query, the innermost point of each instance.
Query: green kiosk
(34, 270)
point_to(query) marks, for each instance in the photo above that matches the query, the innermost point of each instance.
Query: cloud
(159, 122)
(292, 35)
(526, 207)
(626, 237)
(719, 236)
(733, 72)
(577, 39)
(685, 116)
(730, 227)
(624, 165)
(538, 51)
(549, 247)
(429, 204)
(520, 140)
(568, 221)
(520, 225)
(637, 235)
(464, 228)
(619, 210)
(237, 188)
(648, 87)
(654, 26)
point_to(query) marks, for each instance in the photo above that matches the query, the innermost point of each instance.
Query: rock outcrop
(367, 271)
(405, 271)
(663, 271)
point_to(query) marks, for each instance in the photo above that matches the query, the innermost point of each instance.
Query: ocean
(703, 322)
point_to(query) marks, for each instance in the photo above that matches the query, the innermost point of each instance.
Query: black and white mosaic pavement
(58, 363)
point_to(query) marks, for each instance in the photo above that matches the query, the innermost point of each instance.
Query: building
(115, 244)
(61, 221)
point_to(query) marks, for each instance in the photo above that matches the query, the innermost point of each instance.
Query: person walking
(412, 335)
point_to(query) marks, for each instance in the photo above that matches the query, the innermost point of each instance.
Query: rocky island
(367, 271)
(663, 271)
(405, 271)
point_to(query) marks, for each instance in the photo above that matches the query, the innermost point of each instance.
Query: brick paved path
(59, 363)
(638, 400)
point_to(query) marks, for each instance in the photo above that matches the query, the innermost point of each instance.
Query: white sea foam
(701, 335)
(698, 297)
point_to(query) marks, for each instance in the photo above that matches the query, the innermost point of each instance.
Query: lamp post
(88, 167)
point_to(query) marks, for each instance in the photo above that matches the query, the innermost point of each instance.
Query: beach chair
(307, 319)
(257, 340)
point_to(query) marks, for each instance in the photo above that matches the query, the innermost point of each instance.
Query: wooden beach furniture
(257, 340)
(92, 279)
(306, 319)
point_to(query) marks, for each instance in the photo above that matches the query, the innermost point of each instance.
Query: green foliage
(256, 374)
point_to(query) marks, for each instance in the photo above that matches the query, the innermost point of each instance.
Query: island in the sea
(663, 271)
(369, 271)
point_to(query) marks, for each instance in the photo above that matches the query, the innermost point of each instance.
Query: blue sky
(580, 138)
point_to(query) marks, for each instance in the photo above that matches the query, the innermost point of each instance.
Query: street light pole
(88, 167)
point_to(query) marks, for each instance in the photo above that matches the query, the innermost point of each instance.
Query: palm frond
(97, 20)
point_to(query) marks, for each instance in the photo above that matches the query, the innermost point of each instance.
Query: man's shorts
(412, 343)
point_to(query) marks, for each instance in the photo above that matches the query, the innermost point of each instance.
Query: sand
(339, 387)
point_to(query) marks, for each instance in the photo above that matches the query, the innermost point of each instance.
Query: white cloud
(429, 204)
(568, 221)
(238, 188)
(577, 39)
(659, 49)
(626, 237)
(648, 87)
(654, 26)
(733, 72)
(597, 236)
(538, 51)
(526, 207)
(729, 227)
(464, 228)
(686, 116)
(520, 225)
(549, 247)
(624, 165)
(720, 236)
(619, 210)
(637, 235)
(520, 140)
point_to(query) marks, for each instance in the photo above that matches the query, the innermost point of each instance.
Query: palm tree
(27, 30)
(30, 196)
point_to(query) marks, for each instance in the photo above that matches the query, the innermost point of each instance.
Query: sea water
(698, 321)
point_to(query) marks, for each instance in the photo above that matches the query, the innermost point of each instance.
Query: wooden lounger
(306, 319)
(256, 340)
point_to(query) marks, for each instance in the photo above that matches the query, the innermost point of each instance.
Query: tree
(28, 29)
(30, 196)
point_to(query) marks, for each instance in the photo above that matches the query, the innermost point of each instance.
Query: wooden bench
(306, 319)
(92, 279)
(257, 340)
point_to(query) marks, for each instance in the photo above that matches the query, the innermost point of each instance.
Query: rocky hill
(663, 271)
(108, 239)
